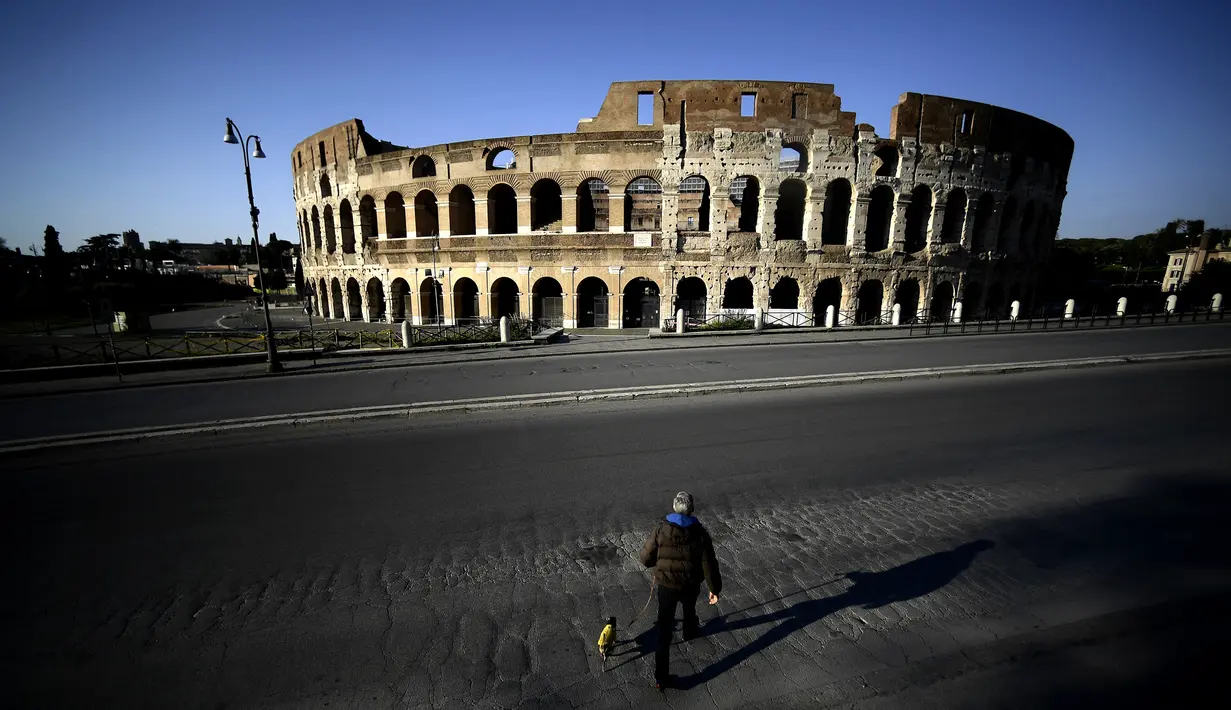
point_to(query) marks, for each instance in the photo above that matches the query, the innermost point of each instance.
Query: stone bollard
(1171, 300)
(1216, 303)
(957, 312)
(406, 334)
(829, 316)
(1015, 310)
(896, 319)
(758, 319)
(504, 329)
(679, 322)
(1069, 306)
(1122, 306)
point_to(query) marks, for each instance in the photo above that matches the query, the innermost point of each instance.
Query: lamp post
(272, 365)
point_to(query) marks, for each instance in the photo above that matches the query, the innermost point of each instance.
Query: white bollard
(1015, 309)
(1216, 303)
(406, 334)
(896, 319)
(1122, 306)
(679, 322)
(829, 316)
(758, 319)
(1171, 300)
(1069, 306)
(504, 329)
(957, 312)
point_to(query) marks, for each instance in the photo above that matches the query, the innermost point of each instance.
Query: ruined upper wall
(792, 107)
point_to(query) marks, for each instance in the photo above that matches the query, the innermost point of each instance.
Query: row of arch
(643, 212)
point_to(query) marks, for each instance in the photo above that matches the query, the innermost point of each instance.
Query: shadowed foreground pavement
(957, 543)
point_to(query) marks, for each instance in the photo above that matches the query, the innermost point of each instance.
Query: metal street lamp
(272, 365)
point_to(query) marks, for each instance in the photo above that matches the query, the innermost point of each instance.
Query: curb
(548, 399)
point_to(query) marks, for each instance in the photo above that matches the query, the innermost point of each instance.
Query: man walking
(682, 554)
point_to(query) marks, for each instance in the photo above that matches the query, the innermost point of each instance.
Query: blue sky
(113, 113)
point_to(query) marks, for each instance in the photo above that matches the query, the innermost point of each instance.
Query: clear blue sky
(113, 113)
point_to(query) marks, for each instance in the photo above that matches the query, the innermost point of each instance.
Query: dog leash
(647, 604)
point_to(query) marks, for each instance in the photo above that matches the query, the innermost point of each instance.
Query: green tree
(101, 249)
(51, 244)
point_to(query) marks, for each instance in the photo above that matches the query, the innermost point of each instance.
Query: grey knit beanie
(682, 503)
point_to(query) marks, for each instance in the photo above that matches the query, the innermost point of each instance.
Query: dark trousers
(667, 599)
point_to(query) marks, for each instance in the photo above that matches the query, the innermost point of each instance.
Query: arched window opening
(316, 229)
(942, 302)
(908, 298)
(347, 218)
(423, 166)
(955, 217)
(336, 305)
(461, 211)
(641, 304)
(880, 214)
(918, 214)
(643, 205)
(505, 298)
(354, 300)
(886, 161)
(593, 206)
(837, 212)
(322, 300)
(592, 300)
(399, 292)
(325, 191)
(395, 216)
(465, 302)
(694, 205)
(376, 300)
(791, 159)
(871, 295)
(789, 214)
(367, 218)
(331, 240)
(545, 206)
(828, 293)
(690, 296)
(984, 210)
(745, 196)
(547, 302)
(431, 302)
(501, 159)
(427, 219)
(501, 210)
(785, 294)
(738, 293)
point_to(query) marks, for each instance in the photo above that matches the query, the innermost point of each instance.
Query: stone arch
(465, 301)
(502, 209)
(745, 196)
(785, 294)
(880, 216)
(461, 211)
(981, 229)
(354, 299)
(305, 234)
(501, 158)
(738, 293)
(828, 293)
(593, 206)
(547, 302)
(505, 298)
(336, 305)
(907, 296)
(942, 302)
(869, 308)
(955, 217)
(331, 240)
(326, 191)
(793, 158)
(376, 300)
(918, 215)
(694, 204)
(837, 211)
(427, 218)
(367, 218)
(423, 166)
(789, 213)
(592, 299)
(347, 220)
(641, 304)
(431, 301)
(972, 301)
(887, 157)
(395, 216)
(690, 296)
(399, 294)
(316, 229)
(643, 205)
(546, 210)
(322, 299)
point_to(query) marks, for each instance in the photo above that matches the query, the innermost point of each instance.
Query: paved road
(99, 411)
(467, 562)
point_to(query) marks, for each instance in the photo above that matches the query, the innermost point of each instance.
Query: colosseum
(703, 196)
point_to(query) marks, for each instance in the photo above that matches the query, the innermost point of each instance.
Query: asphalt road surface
(189, 403)
(1041, 540)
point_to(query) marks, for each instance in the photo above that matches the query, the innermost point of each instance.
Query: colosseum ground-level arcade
(706, 196)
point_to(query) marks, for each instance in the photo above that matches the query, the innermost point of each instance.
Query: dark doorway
(942, 302)
(547, 303)
(972, 301)
(504, 298)
(431, 300)
(465, 302)
(592, 298)
(785, 294)
(641, 303)
(908, 299)
(871, 296)
(828, 293)
(399, 291)
(690, 296)
(737, 294)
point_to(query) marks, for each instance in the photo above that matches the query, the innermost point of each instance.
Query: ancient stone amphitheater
(707, 196)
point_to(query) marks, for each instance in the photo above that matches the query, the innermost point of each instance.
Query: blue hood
(681, 519)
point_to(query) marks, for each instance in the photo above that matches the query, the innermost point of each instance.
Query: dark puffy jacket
(682, 554)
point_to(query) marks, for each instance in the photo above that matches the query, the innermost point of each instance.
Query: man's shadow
(871, 590)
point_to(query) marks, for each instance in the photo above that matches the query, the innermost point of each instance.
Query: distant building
(132, 241)
(1183, 263)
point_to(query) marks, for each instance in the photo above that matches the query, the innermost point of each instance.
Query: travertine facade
(701, 204)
